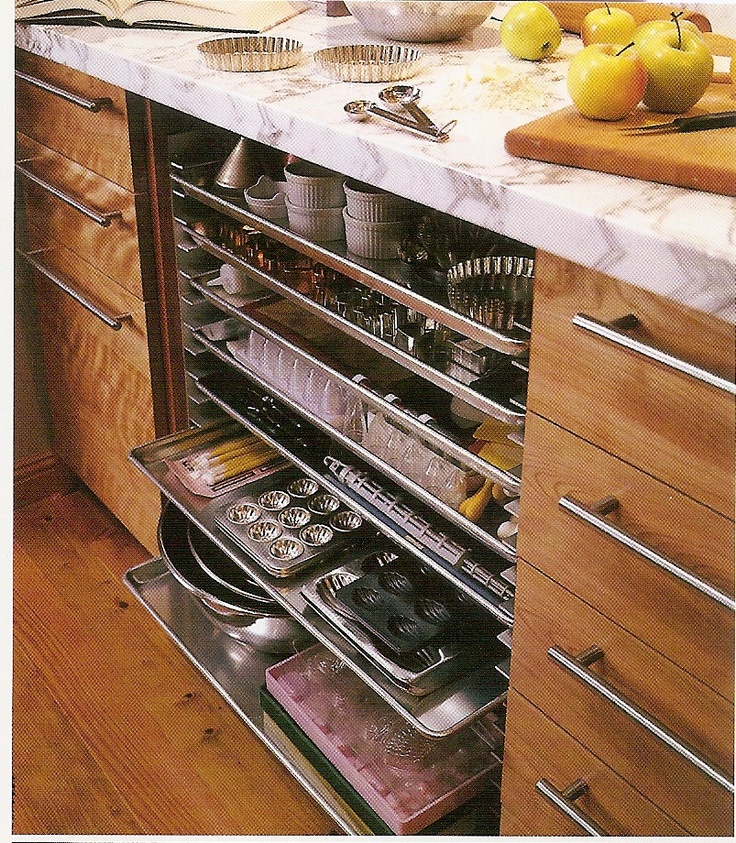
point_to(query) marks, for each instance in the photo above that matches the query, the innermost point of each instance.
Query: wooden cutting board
(702, 160)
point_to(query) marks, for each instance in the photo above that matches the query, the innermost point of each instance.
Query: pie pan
(250, 53)
(368, 62)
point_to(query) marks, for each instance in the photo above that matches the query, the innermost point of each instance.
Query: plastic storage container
(410, 781)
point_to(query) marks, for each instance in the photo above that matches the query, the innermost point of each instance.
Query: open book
(239, 15)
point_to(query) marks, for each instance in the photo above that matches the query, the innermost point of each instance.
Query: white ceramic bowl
(322, 225)
(311, 186)
(375, 240)
(373, 205)
(266, 198)
(419, 20)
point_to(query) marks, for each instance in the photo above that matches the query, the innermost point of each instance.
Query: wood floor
(114, 731)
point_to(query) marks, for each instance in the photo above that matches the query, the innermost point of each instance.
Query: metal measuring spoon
(407, 96)
(363, 108)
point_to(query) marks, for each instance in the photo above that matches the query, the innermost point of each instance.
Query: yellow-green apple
(608, 25)
(657, 27)
(606, 81)
(679, 68)
(529, 30)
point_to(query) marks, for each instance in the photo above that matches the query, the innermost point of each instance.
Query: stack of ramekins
(375, 221)
(314, 201)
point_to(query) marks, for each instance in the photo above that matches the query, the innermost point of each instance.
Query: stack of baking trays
(405, 618)
(274, 559)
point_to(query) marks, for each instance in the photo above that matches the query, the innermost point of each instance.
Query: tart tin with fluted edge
(250, 53)
(368, 62)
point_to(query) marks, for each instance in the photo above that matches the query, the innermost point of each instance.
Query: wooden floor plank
(160, 734)
(58, 786)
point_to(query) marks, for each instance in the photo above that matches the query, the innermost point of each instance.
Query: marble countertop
(677, 242)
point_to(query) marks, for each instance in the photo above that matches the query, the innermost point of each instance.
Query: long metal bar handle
(578, 666)
(102, 218)
(564, 800)
(94, 105)
(114, 322)
(614, 332)
(592, 515)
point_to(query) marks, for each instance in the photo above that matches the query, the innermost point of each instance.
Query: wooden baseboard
(40, 475)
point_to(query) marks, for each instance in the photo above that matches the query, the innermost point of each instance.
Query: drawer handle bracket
(94, 105)
(579, 667)
(564, 800)
(102, 218)
(114, 322)
(592, 515)
(614, 332)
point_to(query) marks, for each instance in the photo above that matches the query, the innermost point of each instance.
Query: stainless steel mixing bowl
(268, 628)
(417, 21)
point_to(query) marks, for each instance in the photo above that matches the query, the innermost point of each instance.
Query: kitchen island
(607, 246)
(675, 242)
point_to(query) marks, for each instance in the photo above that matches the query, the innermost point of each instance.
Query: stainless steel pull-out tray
(439, 713)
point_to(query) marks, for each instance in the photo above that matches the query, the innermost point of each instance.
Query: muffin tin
(289, 526)
(417, 669)
(405, 608)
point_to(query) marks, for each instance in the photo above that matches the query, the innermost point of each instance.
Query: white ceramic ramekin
(322, 225)
(374, 240)
(311, 186)
(373, 205)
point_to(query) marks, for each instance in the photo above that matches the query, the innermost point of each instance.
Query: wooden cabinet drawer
(548, 616)
(99, 386)
(536, 750)
(90, 215)
(668, 423)
(673, 616)
(81, 117)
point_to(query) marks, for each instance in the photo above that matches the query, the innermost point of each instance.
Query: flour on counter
(487, 85)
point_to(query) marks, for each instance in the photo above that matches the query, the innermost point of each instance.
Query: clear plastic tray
(408, 780)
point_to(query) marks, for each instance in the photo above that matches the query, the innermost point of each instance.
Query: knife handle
(719, 120)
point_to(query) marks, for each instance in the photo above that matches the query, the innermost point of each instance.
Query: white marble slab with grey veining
(676, 242)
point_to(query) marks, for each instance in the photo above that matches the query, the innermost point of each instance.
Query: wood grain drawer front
(90, 215)
(538, 751)
(673, 616)
(79, 116)
(670, 423)
(99, 386)
(547, 616)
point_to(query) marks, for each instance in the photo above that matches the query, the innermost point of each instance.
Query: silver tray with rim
(418, 673)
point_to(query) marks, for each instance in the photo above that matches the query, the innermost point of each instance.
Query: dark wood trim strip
(171, 377)
(39, 476)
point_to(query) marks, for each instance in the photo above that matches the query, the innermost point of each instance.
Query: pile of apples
(664, 63)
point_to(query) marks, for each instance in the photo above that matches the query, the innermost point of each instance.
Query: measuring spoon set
(411, 116)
